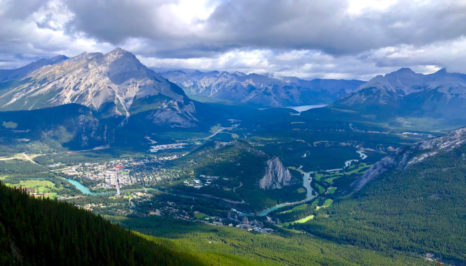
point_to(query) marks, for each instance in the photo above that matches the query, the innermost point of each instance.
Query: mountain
(114, 84)
(415, 202)
(260, 90)
(42, 231)
(406, 93)
(12, 74)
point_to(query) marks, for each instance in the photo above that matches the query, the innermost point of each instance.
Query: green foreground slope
(41, 231)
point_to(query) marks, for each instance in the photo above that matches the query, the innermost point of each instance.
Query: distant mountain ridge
(260, 90)
(404, 92)
(115, 84)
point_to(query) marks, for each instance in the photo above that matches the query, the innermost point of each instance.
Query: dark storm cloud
(353, 38)
(300, 24)
(115, 21)
(327, 26)
(20, 9)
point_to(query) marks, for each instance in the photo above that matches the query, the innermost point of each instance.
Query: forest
(48, 232)
(419, 209)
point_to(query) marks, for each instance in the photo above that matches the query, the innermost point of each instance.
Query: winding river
(307, 180)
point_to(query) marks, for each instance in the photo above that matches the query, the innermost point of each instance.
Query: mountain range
(406, 93)
(260, 90)
(118, 84)
(119, 92)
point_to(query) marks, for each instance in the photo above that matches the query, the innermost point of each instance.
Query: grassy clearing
(39, 186)
(200, 215)
(304, 220)
(331, 190)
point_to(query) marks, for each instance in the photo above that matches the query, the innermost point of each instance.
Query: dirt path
(21, 156)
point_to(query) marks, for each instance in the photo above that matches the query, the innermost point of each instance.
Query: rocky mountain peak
(116, 83)
(403, 81)
(404, 71)
(442, 71)
(119, 54)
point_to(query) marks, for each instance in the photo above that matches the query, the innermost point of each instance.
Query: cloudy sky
(308, 39)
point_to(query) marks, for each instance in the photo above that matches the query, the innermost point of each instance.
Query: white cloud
(358, 7)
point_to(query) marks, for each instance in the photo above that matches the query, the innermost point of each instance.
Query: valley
(213, 176)
(233, 132)
(245, 170)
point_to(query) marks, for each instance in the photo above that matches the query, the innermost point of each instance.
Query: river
(362, 156)
(307, 180)
(82, 188)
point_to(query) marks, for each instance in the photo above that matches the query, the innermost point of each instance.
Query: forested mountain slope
(420, 208)
(46, 232)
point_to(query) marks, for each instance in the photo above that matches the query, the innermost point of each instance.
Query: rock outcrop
(276, 175)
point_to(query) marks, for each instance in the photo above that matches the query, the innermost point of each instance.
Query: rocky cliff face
(412, 155)
(276, 175)
(115, 83)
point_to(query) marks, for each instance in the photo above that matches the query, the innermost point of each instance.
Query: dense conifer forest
(47, 232)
